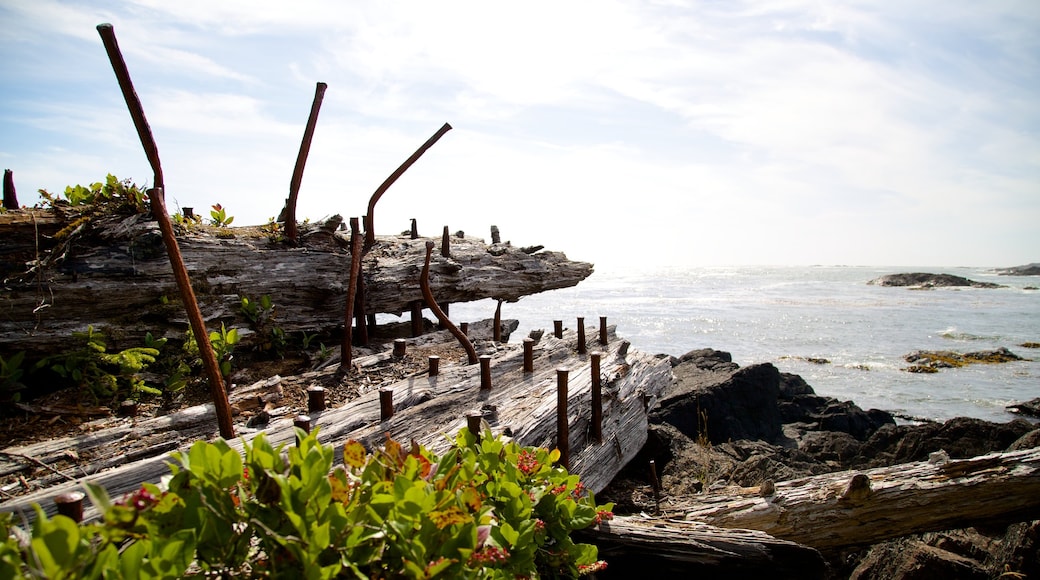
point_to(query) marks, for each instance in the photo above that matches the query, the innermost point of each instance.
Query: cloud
(735, 132)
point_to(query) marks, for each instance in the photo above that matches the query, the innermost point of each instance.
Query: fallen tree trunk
(847, 509)
(634, 546)
(116, 278)
(427, 408)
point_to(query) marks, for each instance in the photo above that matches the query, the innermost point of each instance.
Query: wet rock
(1003, 552)
(1029, 408)
(961, 438)
(1026, 270)
(927, 280)
(722, 405)
(912, 559)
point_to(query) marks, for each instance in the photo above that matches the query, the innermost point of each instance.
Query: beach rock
(1027, 270)
(1027, 441)
(798, 403)
(1030, 408)
(912, 559)
(722, 405)
(961, 438)
(927, 280)
(933, 360)
(1003, 552)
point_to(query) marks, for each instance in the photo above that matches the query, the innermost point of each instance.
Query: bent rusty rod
(158, 202)
(431, 303)
(370, 232)
(301, 162)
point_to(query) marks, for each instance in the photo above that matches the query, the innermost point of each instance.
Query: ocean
(789, 315)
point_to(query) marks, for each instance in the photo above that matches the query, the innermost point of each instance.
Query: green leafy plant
(223, 343)
(273, 231)
(219, 217)
(11, 373)
(106, 375)
(261, 315)
(488, 509)
(122, 196)
(186, 223)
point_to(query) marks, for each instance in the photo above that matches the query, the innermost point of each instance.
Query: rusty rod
(563, 436)
(597, 398)
(11, 196)
(431, 303)
(301, 161)
(370, 232)
(158, 203)
(345, 350)
(581, 336)
(496, 333)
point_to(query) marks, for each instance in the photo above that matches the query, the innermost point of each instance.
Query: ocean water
(786, 315)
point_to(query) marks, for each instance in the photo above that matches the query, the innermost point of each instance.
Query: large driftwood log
(428, 408)
(634, 545)
(848, 509)
(117, 278)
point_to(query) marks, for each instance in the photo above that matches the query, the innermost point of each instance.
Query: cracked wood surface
(119, 280)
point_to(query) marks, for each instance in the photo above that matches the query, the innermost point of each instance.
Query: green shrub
(107, 375)
(491, 509)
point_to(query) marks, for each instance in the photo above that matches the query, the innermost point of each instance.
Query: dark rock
(1030, 408)
(1027, 441)
(912, 559)
(800, 404)
(926, 280)
(933, 360)
(709, 359)
(1004, 552)
(722, 406)
(1027, 270)
(961, 438)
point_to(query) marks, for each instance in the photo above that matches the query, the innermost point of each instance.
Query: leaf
(470, 497)
(354, 454)
(449, 517)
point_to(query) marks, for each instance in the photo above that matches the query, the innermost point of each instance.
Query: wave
(952, 333)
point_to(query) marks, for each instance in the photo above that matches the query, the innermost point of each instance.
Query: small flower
(603, 516)
(489, 556)
(527, 462)
(140, 500)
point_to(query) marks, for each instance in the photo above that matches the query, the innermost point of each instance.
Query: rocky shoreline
(720, 425)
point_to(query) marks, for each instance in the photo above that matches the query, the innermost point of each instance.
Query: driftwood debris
(519, 404)
(634, 545)
(847, 509)
(117, 278)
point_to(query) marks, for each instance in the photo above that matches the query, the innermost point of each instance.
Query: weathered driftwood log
(848, 509)
(118, 279)
(634, 546)
(428, 408)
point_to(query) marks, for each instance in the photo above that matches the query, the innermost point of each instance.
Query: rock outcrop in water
(930, 361)
(926, 280)
(1027, 270)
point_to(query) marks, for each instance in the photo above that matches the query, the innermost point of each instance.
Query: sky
(625, 133)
